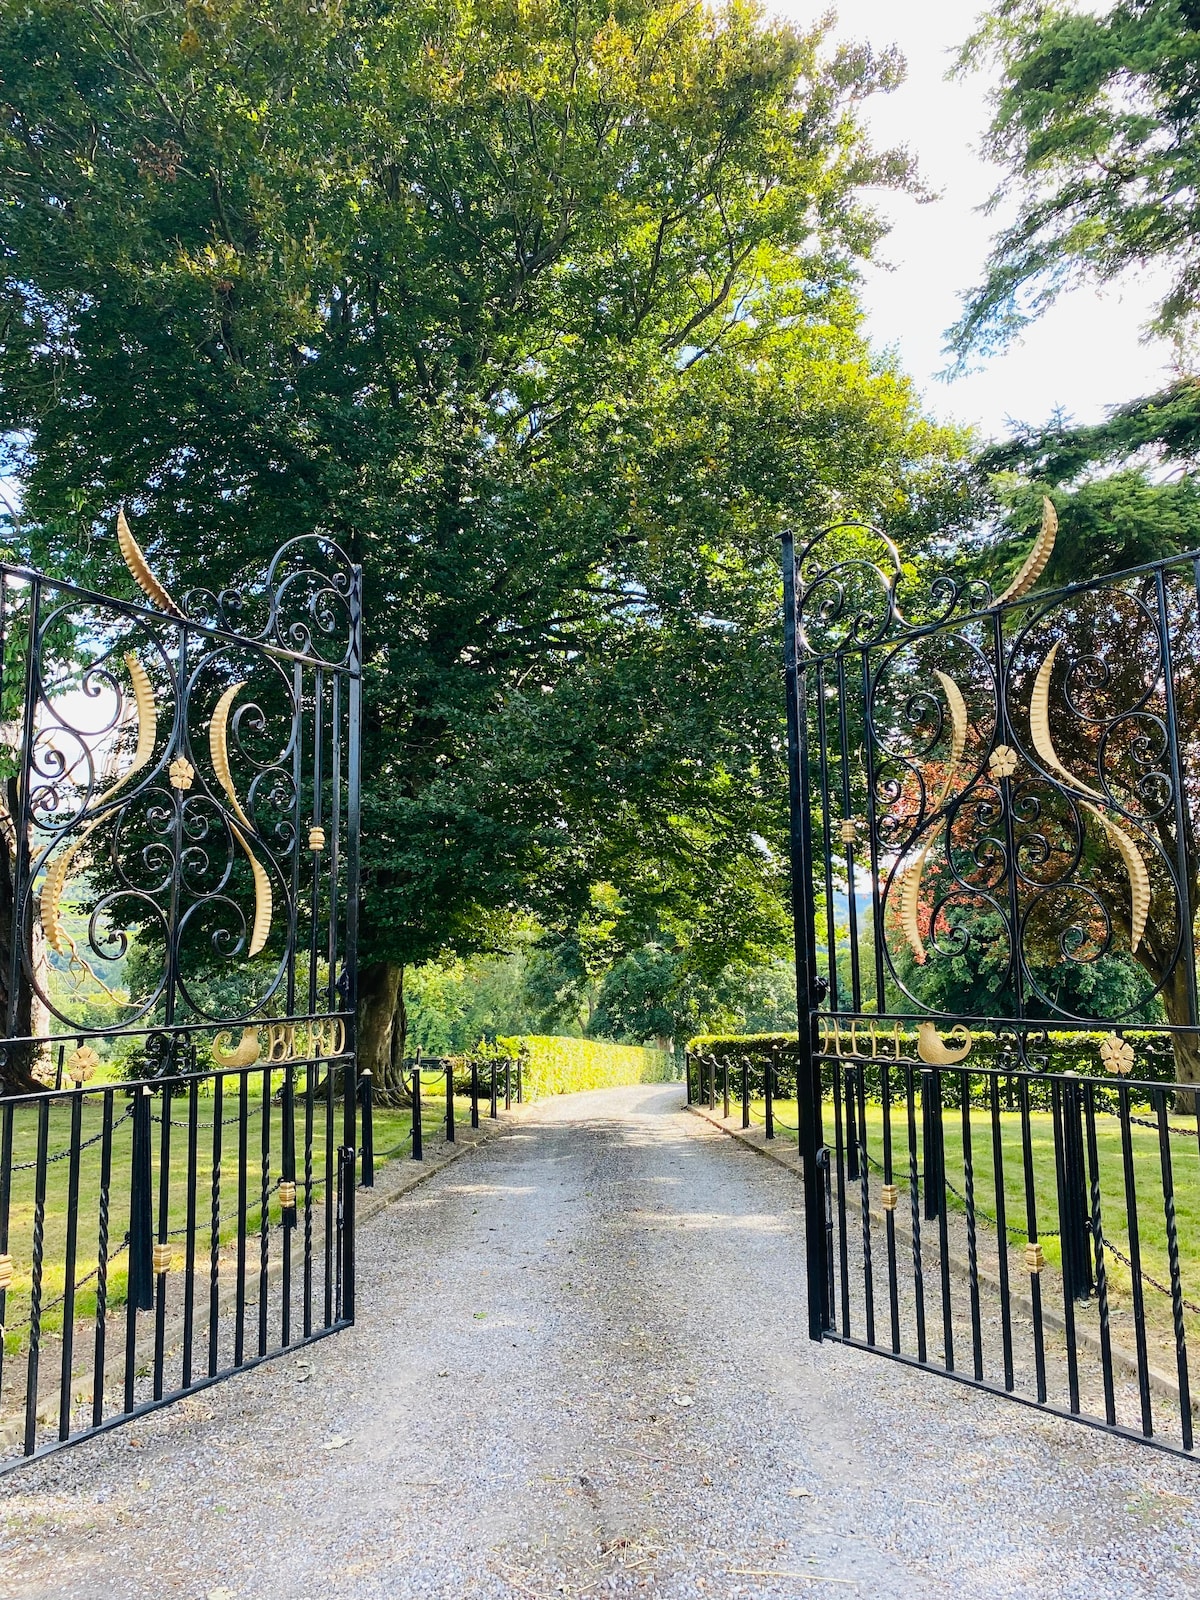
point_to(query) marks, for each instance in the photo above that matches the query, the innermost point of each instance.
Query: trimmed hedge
(565, 1066)
(1060, 1052)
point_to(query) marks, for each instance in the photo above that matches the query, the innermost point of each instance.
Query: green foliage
(1095, 123)
(547, 312)
(567, 1066)
(453, 1005)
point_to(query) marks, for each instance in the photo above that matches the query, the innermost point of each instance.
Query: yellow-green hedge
(565, 1066)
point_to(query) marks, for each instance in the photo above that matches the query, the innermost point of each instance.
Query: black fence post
(474, 1093)
(493, 1112)
(725, 1086)
(449, 1102)
(769, 1091)
(508, 1086)
(141, 1208)
(931, 1129)
(520, 1082)
(687, 1074)
(418, 1145)
(745, 1093)
(852, 1172)
(712, 1083)
(1073, 1208)
(366, 1089)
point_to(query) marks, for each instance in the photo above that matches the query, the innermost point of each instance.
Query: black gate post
(769, 1090)
(808, 1065)
(1073, 1210)
(418, 1143)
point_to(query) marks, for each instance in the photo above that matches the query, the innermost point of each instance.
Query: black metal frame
(186, 785)
(994, 836)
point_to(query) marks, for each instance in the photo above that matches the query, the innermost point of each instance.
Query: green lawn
(1151, 1220)
(392, 1141)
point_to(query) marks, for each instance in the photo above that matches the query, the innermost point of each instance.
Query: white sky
(1085, 355)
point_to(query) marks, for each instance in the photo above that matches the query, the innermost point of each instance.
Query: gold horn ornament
(1131, 856)
(139, 568)
(910, 901)
(934, 1050)
(1035, 561)
(218, 745)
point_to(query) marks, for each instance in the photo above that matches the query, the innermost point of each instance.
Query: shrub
(565, 1066)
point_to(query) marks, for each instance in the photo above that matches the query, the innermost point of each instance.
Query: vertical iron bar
(493, 1111)
(189, 1260)
(287, 1174)
(851, 893)
(769, 1092)
(1135, 1261)
(1179, 793)
(101, 1261)
(6, 1165)
(864, 1178)
(1168, 1189)
(214, 1235)
(885, 1087)
(68, 1325)
(333, 1258)
(1001, 1234)
(1097, 1231)
(725, 1087)
(843, 1081)
(418, 1144)
(367, 1090)
(808, 1066)
(508, 1086)
(914, 1194)
(162, 1238)
(931, 1084)
(239, 1329)
(449, 1071)
(1031, 1226)
(310, 1073)
(972, 1239)
(1067, 1242)
(36, 1266)
(745, 1093)
(264, 1215)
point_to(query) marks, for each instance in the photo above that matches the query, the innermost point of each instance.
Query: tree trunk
(380, 998)
(18, 1061)
(1186, 1045)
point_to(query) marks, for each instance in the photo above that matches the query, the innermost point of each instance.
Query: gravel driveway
(581, 1368)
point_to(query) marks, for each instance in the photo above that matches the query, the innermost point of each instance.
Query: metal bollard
(493, 1111)
(745, 1093)
(449, 1103)
(520, 1084)
(725, 1086)
(474, 1093)
(418, 1143)
(365, 1086)
(770, 1093)
(508, 1086)
(712, 1083)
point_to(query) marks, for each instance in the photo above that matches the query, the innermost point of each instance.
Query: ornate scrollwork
(177, 764)
(1025, 831)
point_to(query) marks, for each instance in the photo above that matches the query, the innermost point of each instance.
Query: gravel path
(580, 1368)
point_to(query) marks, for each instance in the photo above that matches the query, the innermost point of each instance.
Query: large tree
(1096, 125)
(546, 310)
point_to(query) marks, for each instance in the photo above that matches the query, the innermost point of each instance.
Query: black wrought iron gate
(994, 840)
(178, 928)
